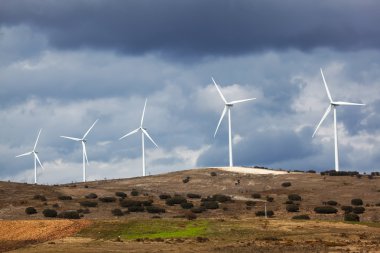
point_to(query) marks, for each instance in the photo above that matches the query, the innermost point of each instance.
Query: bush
(193, 196)
(190, 216)
(347, 209)
(88, 203)
(351, 217)
(286, 184)
(121, 194)
(129, 202)
(357, 202)
(199, 209)
(136, 209)
(186, 180)
(165, 196)
(107, 199)
(292, 208)
(39, 197)
(117, 212)
(270, 199)
(91, 196)
(155, 209)
(339, 173)
(250, 203)
(325, 209)
(211, 204)
(256, 195)
(270, 213)
(134, 192)
(55, 205)
(358, 210)
(221, 198)
(301, 217)
(213, 174)
(332, 203)
(65, 197)
(176, 200)
(187, 205)
(70, 214)
(289, 202)
(49, 213)
(294, 197)
(30, 210)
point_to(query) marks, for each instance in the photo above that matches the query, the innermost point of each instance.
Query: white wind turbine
(227, 107)
(36, 159)
(143, 133)
(333, 105)
(83, 140)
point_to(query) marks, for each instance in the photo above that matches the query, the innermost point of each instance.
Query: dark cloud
(199, 28)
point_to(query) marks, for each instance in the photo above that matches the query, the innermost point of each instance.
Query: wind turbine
(83, 140)
(227, 108)
(143, 133)
(36, 159)
(333, 105)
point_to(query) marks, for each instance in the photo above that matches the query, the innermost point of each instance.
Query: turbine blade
(142, 116)
(130, 133)
(327, 88)
(220, 92)
(242, 100)
(323, 118)
(38, 160)
(70, 138)
(84, 151)
(346, 103)
(220, 120)
(84, 136)
(25, 154)
(150, 138)
(38, 136)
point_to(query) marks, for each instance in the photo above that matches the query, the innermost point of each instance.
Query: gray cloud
(199, 28)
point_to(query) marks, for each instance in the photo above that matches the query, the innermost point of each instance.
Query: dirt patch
(16, 234)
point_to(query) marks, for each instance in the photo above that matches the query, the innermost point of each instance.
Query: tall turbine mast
(144, 133)
(227, 108)
(333, 105)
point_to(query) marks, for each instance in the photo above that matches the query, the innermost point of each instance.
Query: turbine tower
(333, 105)
(36, 159)
(227, 108)
(83, 140)
(143, 134)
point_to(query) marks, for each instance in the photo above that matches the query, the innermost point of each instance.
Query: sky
(64, 64)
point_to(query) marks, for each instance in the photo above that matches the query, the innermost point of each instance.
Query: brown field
(233, 227)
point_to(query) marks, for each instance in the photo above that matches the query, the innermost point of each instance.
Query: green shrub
(270, 199)
(211, 204)
(107, 199)
(39, 197)
(357, 202)
(301, 217)
(286, 184)
(199, 209)
(136, 209)
(147, 202)
(221, 198)
(187, 205)
(351, 217)
(292, 208)
(165, 196)
(30, 210)
(134, 192)
(294, 197)
(91, 196)
(256, 195)
(193, 196)
(358, 210)
(213, 174)
(176, 200)
(325, 209)
(270, 213)
(69, 214)
(250, 203)
(155, 209)
(129, 202)
(347, 209)
(49, 213)
(121, 194)
(289, 202)
(88, 203)
(117, 212)
(65, 197)
(186, 180)
(332, 203)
